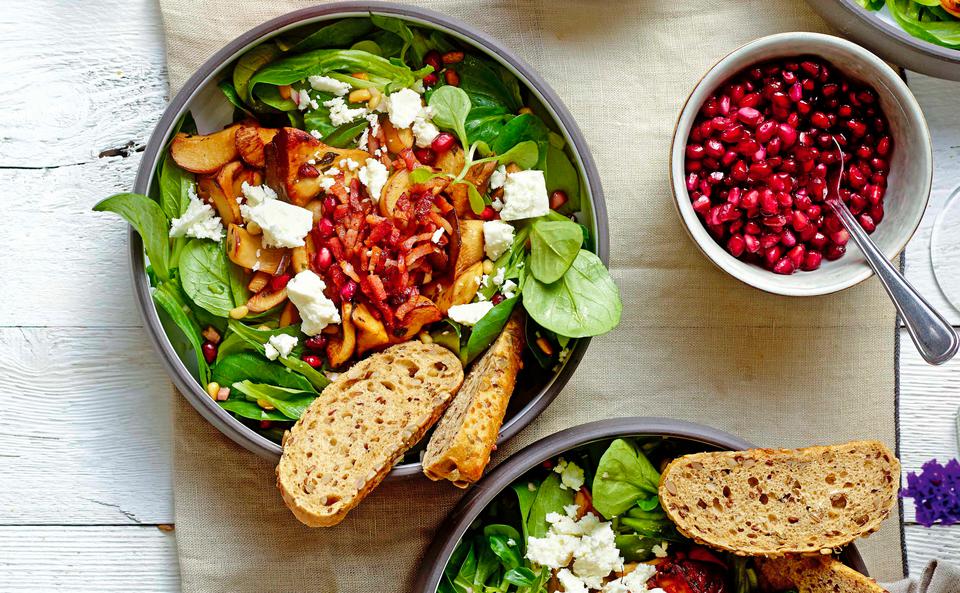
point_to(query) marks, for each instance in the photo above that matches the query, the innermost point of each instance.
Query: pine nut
(425, 337)
(526, 111)
(487, 267)
(254, 228)
(375, 98)
(264, 404)
(359, 96)
(239, 312)
(212, 389)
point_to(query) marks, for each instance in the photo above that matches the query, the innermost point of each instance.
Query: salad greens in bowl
(349, 177)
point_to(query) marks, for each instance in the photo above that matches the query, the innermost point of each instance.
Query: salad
(379, 183)
(935, 21)
(587, 521)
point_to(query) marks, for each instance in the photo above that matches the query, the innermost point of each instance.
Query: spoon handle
(936, 340)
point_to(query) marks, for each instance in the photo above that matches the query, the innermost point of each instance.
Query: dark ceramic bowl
(210, 109)
(883, 36)
(487, 489)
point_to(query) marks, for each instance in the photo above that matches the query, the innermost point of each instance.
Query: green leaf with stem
(149, 220)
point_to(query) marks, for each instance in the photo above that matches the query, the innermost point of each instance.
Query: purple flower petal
(935, 492)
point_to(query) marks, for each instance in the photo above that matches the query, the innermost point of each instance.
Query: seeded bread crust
(767, 502)
(460, 448)
(360, 426)
(814, 574)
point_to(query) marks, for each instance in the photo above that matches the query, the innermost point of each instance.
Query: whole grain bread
(767, 502)
(355, 431)
(460, 447)
(813, 574)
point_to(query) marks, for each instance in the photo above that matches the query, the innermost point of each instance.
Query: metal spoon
(936, 340)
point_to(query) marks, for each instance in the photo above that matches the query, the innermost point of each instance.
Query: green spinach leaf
(521, 128)
(560, 174)
(520, 576)
(487, 329)
(551, 498)
(250, 410)
(205, 275)
(292, 403)
(343, 136)
(525, 498)
(243, 366)
(483, 77)
(584, 302)
(249, 63)
(553, 247)
(147, 217)
(624, 477)
(230, 92)
(175, 186)
(410, 38)
(339, 34)
(167, 296)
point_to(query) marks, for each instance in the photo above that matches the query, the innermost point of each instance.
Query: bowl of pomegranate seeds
(757, 142)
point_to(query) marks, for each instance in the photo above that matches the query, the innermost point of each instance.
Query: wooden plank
(69, 265)
(938, 100)
(88, 559)
(87, 432)
(67, 102)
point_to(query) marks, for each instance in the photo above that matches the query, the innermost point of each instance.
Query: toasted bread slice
(354, 432)
(460, 447)
(814, 574)
(767, 502)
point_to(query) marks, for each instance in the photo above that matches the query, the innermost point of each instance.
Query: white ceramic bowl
(911, 169)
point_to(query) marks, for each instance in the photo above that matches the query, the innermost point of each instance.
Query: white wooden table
(85, 492)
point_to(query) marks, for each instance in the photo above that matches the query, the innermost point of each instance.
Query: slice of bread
(814, 574)
(460, 448)
(355, 431)
(767, 502)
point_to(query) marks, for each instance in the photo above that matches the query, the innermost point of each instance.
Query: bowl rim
(694, 227)
(206, 73)
(519, 463)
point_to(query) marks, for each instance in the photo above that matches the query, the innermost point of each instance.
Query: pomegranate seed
(819, 241)
(799, 220)
(311, 359)
(736, 245)
(497, 299)
(750, 200)
(265, 424)
(728, 158)
(694, 152)
(724, 105)
(750, 100)
(325, 227)
(732, 133)
(769, 203)
(489, 213)
(739, 171)
(443, 142)
(811, 68)
(760, 170)
(324, 258)
(796, 255)
(307, 170)
(751, 243)
(315, 342)
(209, 350)
(876, 213)
(347, 291)
(692, 181)
(278, 283)
(425, 155)
(840, 237)
(879, 165)
(788, 134)
(784, 266)
(749, 116)
(811, 261)
(557, 199)
(769, 240)
(772, 255)
(813, 212)
(766, 130)
(883, 146)
(452, 78)
(796, 92)
(714, 148)
(434, 59)
(866, 221)
(452, 57)
(834, 252)
(787, 238)
(430, 80)
(856, 177)
(820, 120)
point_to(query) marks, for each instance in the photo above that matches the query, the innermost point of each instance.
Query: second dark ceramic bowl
(505, 474)
(201, 97)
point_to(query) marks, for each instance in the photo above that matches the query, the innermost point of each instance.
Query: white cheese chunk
(303, 100)
(373, 175)
(570, 582)
(525, 196)
(435, 238)
(597, 556)
(198, 221)
(633, 582)
(325, 84)
(498, 177)
(349, 164)
(279, 346)
(403, 107)
(509, 289)
(340, 113)
(316, 310)
(283, 224)
(257, 194)
(424, 131)
(571, 476)
(469, 314)
(497, 238)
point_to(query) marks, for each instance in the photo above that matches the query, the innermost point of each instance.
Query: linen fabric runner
(694, 343)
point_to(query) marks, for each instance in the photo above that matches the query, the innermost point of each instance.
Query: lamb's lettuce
(624, 478)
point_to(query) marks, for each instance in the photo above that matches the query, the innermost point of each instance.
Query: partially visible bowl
(203, 99)
(909, 181)
(487, 489)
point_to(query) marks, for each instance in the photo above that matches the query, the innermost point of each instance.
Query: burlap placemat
(694, 343)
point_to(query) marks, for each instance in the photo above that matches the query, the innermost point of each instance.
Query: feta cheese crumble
(509, 289)
(373, 175)
(423, 129)
(498, 177)
(403, 107)
(469, 314)
(279, 346)
(571, 476)
(497, 238)
(436, 235)
(325, 84)
(340, 113)
(525, 196)
(583, 550)
(633, 582)
(198, 221)
(283, 224)
(305, 291)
